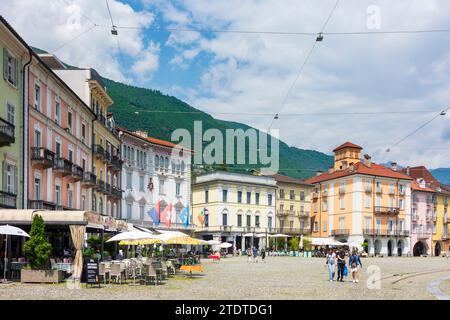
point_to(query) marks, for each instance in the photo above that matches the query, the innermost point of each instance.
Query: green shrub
(37, 249)
(294, 243)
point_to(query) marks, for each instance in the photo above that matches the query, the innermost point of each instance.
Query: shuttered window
(10, 68)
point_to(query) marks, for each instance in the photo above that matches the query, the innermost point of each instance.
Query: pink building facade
(60, 136)
(421, 218)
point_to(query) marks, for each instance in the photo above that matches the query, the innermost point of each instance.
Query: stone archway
(400, 247)
(378, 246)
(389, 248)
(419, 249)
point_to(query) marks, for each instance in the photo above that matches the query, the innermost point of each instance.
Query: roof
(424, 173)
(286, 179)
(347, 144)
(416, 187)
(360, 168)
(156, 141)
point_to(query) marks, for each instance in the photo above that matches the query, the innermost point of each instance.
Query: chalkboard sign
(91, 268)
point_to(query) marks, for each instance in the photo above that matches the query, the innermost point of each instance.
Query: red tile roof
(360, 168)
(286, 179)
(348, 144)
(416, 186)
(424, 173)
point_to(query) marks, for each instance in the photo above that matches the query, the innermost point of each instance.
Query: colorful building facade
(15, 58)
(362, 202)
(293, 206)
(154, 172)
(237, 208)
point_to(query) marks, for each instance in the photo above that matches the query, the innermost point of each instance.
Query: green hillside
(160, 124)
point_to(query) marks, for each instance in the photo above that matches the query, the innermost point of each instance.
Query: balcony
(283, 213)
(42, 158)
(341, 190)
(368, 232)
(375, 232)
(401, 192)
(225, 228)
(303, 214)
(7, 133)
(8, 200)
(99, 152)
(101, 118)
(100, 187)
(89, 180)
(44, 205)
(116, 192)
(340, 232)
(423, 235)
(113, 162)
(77, 173)
(391, 191)
(62, 167)
(378, 190)
(324, 193)
(386, 210)
(108, 189)
(315, 195)
(402, 233)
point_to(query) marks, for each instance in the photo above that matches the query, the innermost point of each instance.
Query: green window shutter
(15, 180)
(5, 63)
(3, 175)
(17, 75)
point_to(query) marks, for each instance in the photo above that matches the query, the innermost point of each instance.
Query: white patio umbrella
(225, 245)
(132, 235)
(213, 242)
(10, 231)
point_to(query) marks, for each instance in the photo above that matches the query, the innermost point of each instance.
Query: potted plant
(37, 251)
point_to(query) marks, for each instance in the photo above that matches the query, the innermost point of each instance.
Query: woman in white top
(331, 263)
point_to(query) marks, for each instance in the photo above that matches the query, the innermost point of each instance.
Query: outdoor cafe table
(67, 267)
(190, 268)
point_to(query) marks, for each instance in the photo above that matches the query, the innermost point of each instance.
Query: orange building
(362, 202)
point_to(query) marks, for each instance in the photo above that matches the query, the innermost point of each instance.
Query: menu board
(91, 269)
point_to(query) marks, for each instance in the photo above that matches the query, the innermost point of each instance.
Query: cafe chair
(116, 272)
(102, 272)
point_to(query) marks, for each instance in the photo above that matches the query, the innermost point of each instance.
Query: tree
(37, 249)
(294, 243)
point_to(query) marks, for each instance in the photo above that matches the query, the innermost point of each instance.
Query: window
(367, 223)
(316, 226)
(281, 194)
(401, 225)
(83, 202)
(37, 189)
(302, 195)
(257, 198)
(10, 68)
(156, 162)
(94, 203)
(378, 201)
(69, 197)
(206, 196)
(58, 149)
(391, 188)
(83, 133)
(161, 187)
(224, 219)
(141, 212)
(11, 116)
(367, 201)
(390, 226)
(269, 199)
(391, 202)
(239, 196)
(342, 202)
(341, 223)
(401, 204)
(249, 220)
(325, 205)
(269, 222)
(239, 220)
(57, 113)
(249, 197)
(206, 219)
(178, 189)
(129, 207)
(83, 164)
(128, 180)
(224, 195)
(69, 121)
(324, 227)
(378, 225)
(58, 195)
(37, 138)
(37, 97)
(292, 195)
(100, 205)
(257, 221)
(141, 183)
(71, 155)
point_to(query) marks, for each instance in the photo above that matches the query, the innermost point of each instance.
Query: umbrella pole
(4, 265)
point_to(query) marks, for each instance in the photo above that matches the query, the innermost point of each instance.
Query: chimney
(407, 170)
(318, 172)
(394, 166)
(367, 160)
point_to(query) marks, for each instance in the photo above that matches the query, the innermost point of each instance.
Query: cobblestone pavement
(279, 278)
(445, 287)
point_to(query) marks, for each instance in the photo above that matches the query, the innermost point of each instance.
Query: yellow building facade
(293, 206)
(440, 239)
(362, 202)
(238, 208)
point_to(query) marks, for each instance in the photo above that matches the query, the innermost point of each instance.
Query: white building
(153, 171)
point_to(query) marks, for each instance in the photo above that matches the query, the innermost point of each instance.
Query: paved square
(278, 278)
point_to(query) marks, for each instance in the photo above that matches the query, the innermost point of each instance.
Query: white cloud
(148, 61)
(50, 24)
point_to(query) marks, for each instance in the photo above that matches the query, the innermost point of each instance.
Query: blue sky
(226, 72)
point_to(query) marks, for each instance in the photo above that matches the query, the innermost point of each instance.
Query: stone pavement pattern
(280, 278)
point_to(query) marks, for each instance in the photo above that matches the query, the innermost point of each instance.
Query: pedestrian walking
(353, 262)
(255, 254)
(331, 264)
(249, 254)
(341, 265)
(263, 255)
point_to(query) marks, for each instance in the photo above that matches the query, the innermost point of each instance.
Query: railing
(386, 210)
(101, 118)
(77, 172)
(391, 191)
(63, 166)
(7, 133)
(225, 228)
(283, 212)
(116, 192)
(42, 156)
(100, 185)
(108, 189)
(402, 233)
(41, 204)
(89, 179)
(8, 200)
(98, 151)
(303, 214)
(340, 232)
(116, 162)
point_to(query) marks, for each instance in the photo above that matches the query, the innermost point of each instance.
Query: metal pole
(4, 266)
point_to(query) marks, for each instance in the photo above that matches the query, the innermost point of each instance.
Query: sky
(256, 72)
